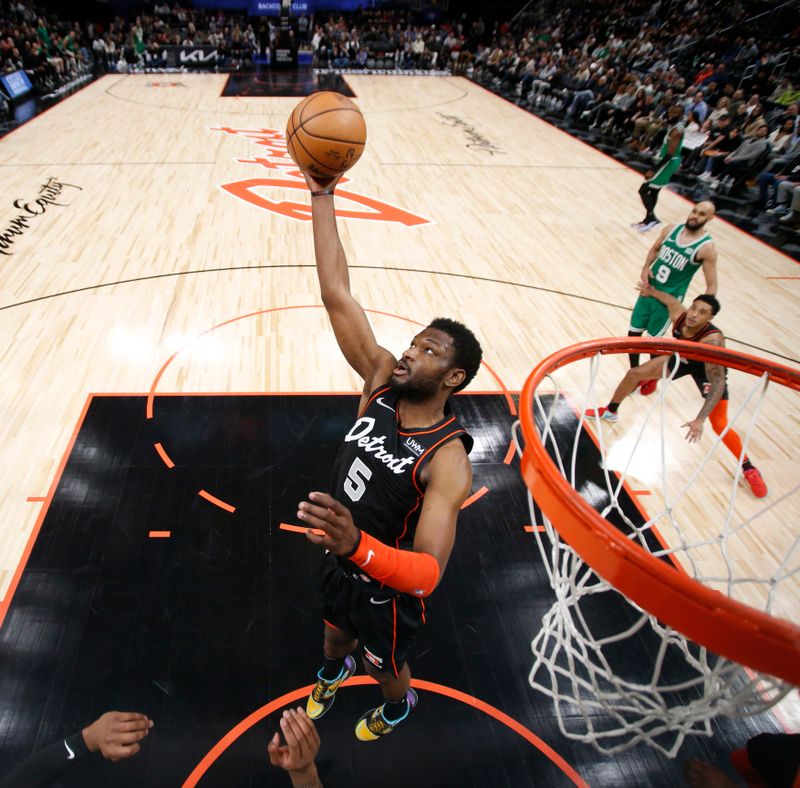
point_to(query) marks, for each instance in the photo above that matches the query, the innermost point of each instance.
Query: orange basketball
(326, 134)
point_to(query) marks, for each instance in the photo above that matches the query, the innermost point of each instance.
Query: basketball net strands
(696, 632)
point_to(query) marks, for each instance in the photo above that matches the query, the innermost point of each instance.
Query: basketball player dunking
(676, 256)
(692, 325)
(399, 480)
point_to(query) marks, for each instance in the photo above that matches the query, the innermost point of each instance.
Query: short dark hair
(467, 349)
(711, 301)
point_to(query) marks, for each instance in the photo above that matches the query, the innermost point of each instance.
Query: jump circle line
(290, 697)
(259, 111)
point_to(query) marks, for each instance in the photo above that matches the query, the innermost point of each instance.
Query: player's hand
(326, 514)
(645, 288)
(695, 430)
(116, 734)
(315, 185)
(302, 744)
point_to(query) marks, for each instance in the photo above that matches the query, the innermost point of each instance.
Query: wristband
(322, 192)
(355, 546)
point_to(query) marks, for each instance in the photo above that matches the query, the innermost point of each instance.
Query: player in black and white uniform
(691, 325)
(400, 479)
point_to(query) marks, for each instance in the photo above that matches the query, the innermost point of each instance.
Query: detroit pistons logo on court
(267, 192)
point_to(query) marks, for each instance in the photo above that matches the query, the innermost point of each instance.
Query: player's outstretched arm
(708, 256)
(348, 319)
(298, 754)
(715, 374)
(674, 307)
(116, 734)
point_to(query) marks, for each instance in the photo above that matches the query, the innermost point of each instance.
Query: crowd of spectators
(619, 71)
(392, 39)
(619, 74)
(54, 52)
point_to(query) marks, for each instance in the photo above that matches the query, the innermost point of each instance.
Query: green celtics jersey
(665, 144)
(662, 175)
(676, 263)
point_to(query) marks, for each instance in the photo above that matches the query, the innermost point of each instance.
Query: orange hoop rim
(729, 628)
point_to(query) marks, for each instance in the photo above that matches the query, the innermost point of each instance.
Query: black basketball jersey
(377, 472)
(697, 369)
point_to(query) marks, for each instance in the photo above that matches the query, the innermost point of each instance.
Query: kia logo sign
(198, 56)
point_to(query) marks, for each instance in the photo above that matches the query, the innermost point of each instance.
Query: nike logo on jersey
(370, 556)
(71, 754)
(379, 601)
(384, 405)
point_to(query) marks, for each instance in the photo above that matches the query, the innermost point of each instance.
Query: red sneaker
(602, 413)
(756, 482)
(647, 387)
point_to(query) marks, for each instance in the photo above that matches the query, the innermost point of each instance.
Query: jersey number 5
(357, 477)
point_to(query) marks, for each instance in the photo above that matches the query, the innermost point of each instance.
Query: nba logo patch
(375, 660)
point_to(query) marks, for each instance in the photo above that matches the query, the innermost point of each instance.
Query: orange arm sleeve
(407, 571)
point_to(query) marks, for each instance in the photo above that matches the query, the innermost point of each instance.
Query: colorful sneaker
(372, 724)
(756, 482)
(324, 693)
(602, 413)
(647, 387)
(647, 226)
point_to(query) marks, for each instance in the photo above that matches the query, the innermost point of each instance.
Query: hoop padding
(723, 625)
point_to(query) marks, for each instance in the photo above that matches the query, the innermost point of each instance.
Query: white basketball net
(643, 681)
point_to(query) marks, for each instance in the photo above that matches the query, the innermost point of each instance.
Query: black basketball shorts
(385, 622)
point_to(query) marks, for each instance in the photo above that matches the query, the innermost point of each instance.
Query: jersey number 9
(662, 274)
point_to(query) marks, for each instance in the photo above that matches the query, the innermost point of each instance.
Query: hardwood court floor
(164, 214)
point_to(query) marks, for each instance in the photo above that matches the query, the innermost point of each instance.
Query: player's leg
(719, 423)
(658, 319)
(340, 638)
(648, 370)
(648, 194)
(388, 631)
(399, 700)
(657, 324)
(338, 665)
(639, 320)
(650, 191)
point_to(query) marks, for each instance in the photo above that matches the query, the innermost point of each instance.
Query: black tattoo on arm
(716, 377)
(715, 374)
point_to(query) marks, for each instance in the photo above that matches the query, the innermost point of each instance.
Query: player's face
(422, 367)
(699, 216)
(698, 314)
